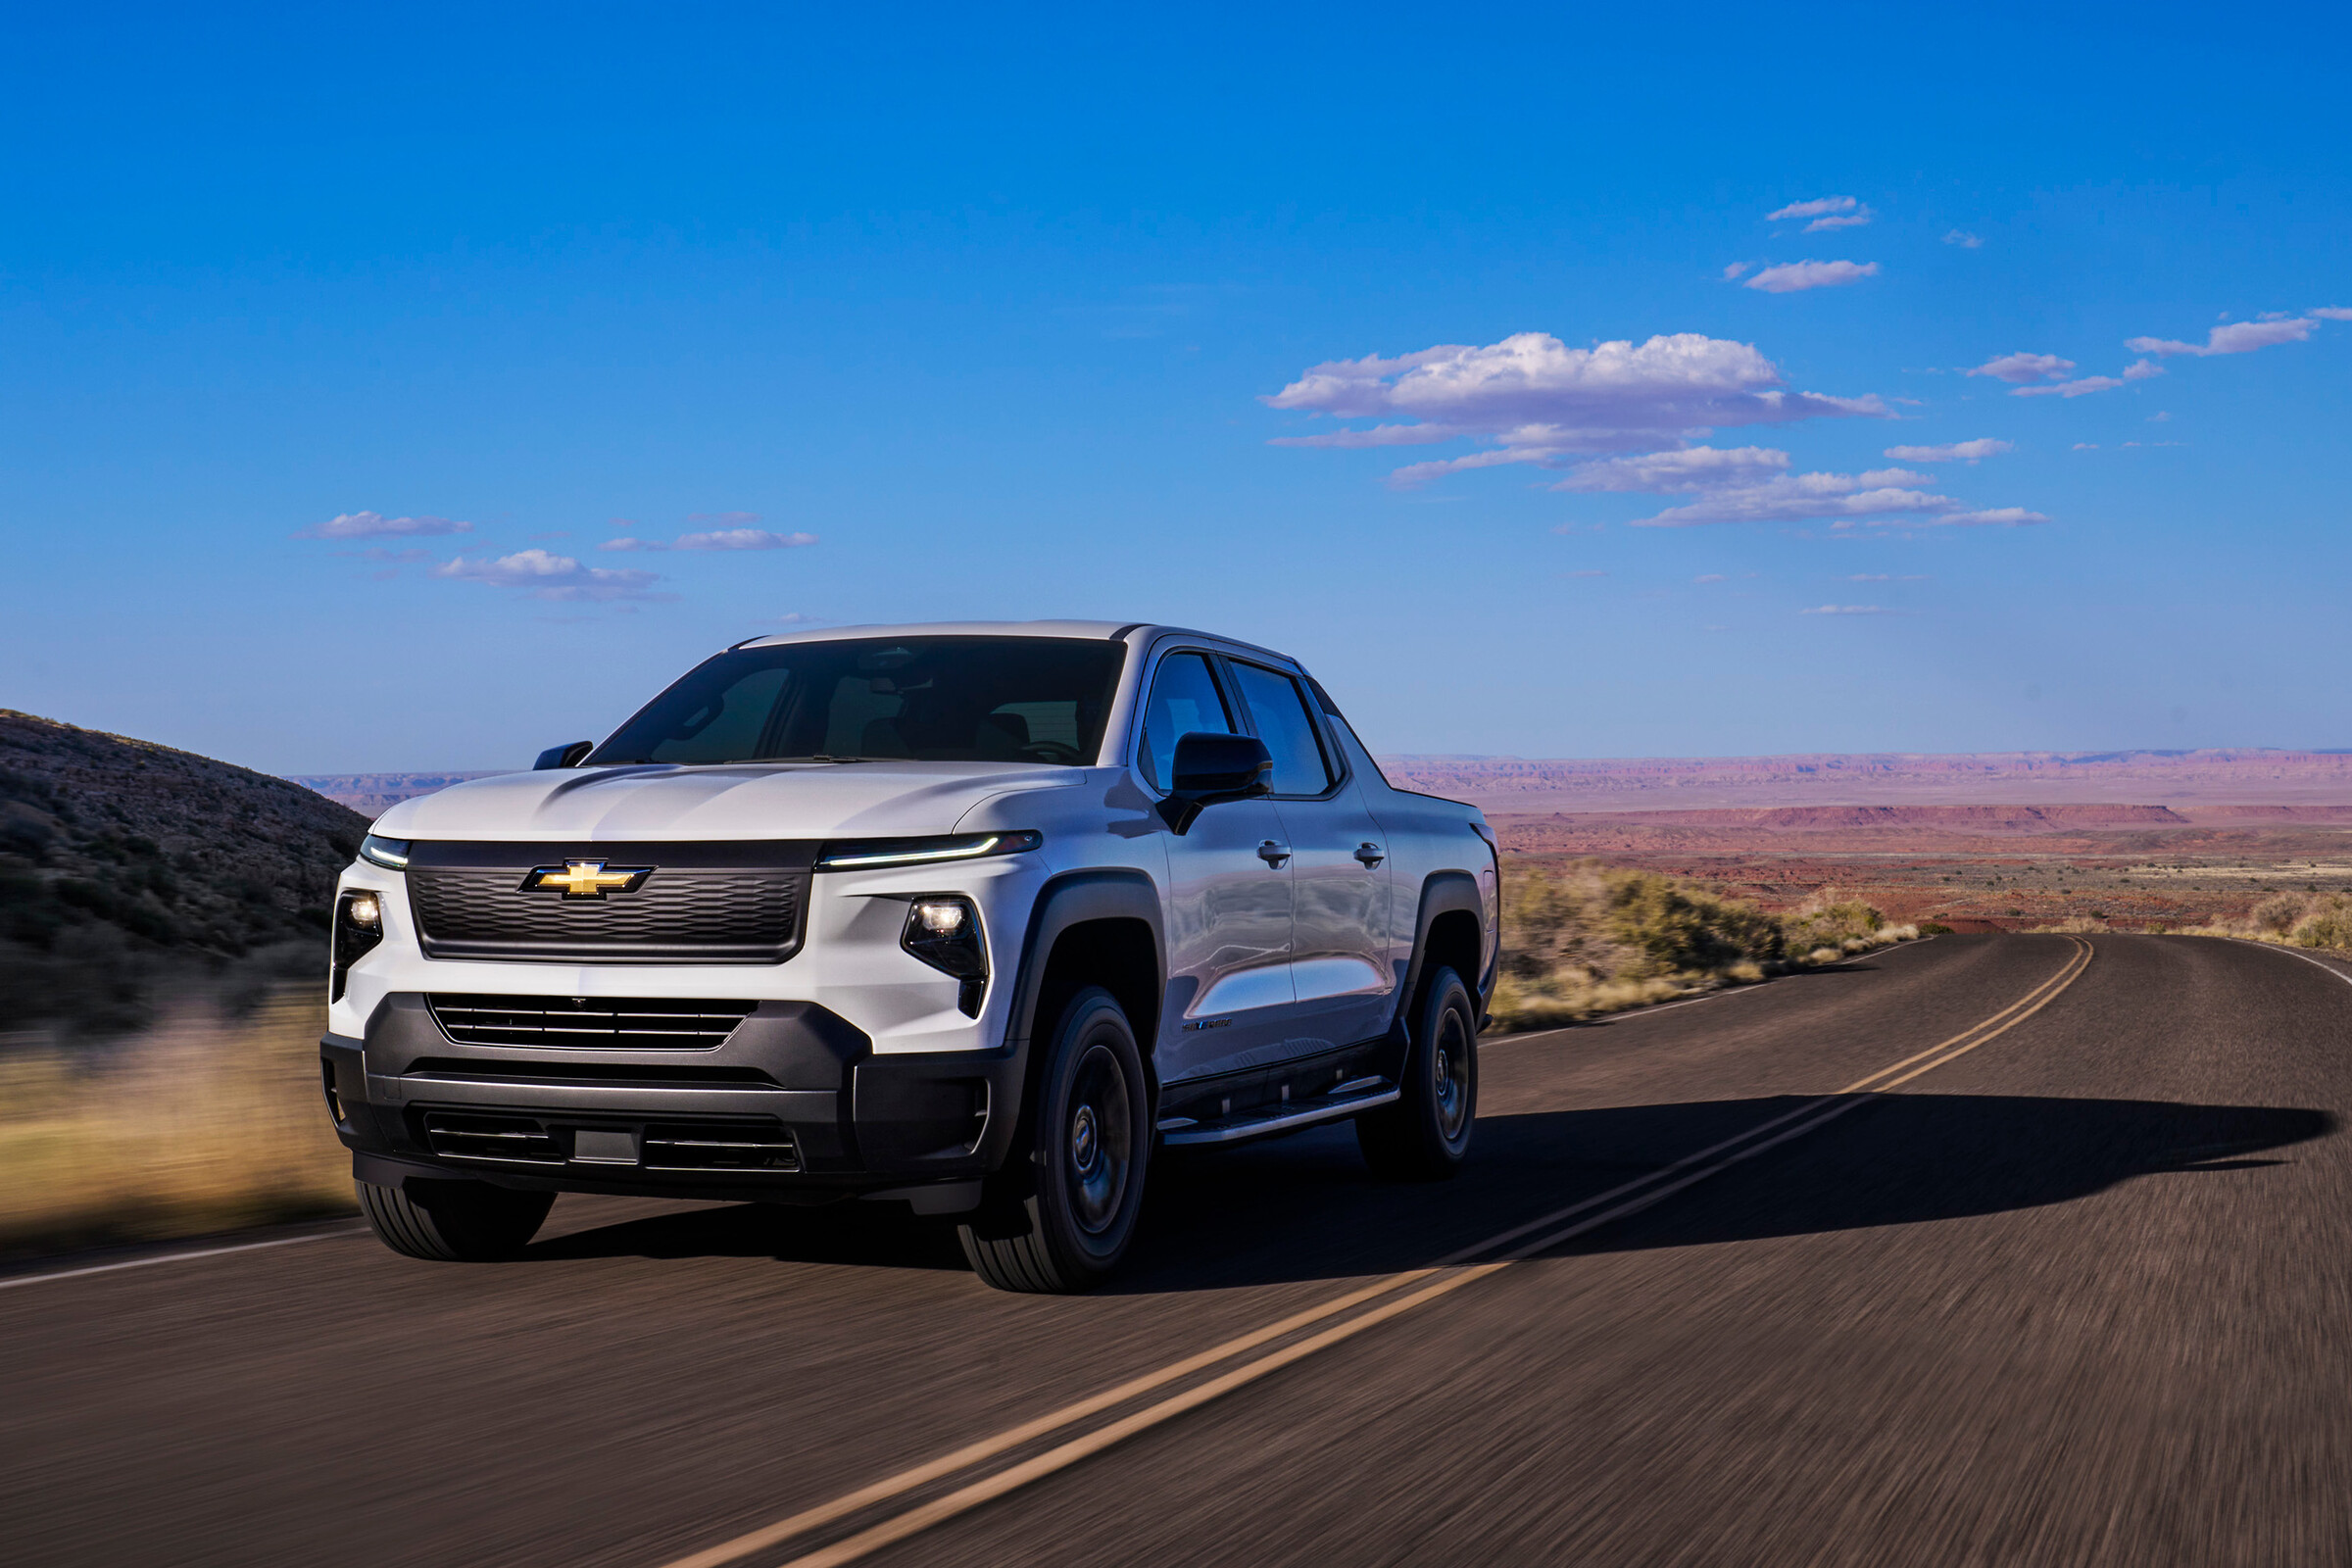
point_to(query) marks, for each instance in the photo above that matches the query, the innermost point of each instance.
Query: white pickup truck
(968, 916)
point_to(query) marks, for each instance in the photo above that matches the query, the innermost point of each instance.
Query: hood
(750, 800)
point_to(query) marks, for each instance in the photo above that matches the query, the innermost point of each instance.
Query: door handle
(1371, 855)
(1273, 854)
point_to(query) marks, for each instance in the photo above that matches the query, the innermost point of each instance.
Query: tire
(452, 1222)
(1424, 1135)
(1059, 1219)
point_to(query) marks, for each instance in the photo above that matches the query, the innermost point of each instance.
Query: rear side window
(1278, 708)
(1184, 701)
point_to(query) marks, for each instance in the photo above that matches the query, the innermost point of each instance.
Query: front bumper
(794, 1105)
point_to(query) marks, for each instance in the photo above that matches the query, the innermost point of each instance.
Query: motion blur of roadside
(1590, 939)
(208, 1120)
(132, 874)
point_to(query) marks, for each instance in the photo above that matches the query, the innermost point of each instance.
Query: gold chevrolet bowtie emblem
(586, 879)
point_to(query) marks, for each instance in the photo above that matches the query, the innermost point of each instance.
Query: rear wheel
(1424, 1135)
(452, 1222)
(1059, 1220)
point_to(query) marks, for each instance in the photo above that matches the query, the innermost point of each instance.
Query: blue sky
(924, 314)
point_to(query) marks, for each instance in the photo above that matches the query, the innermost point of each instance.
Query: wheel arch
(1092, 928)
(1448, 931)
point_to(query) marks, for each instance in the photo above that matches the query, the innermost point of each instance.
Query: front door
(1339, 918)
(1229, 996)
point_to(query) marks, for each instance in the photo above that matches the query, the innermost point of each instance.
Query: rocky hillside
(123, 862)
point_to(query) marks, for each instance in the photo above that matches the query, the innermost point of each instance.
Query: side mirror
(1212, 769)
(563, 755)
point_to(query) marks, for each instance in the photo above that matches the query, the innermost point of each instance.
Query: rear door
(1340, 916)
(1229, 998)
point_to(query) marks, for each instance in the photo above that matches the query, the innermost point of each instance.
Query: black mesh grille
(611, 1023)
(700, 903)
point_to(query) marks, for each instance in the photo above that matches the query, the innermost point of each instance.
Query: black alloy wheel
(1083, 1176)
(1424, 1135)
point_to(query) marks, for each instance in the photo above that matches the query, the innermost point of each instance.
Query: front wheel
(1067, 1223)
(452, 1222)
(1424, 1135)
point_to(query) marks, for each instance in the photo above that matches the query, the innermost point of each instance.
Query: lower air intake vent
(719, 1146)
(608, 1023)
(493, 1140)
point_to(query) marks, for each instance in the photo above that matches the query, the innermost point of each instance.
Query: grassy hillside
(128, 867)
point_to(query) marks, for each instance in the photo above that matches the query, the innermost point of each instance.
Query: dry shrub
(1596, 939)
(2277, 914)
(200, 1123)
(2326, 923)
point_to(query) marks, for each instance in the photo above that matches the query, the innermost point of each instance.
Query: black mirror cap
(1212, 770)
(1236, 765)
(563, 755)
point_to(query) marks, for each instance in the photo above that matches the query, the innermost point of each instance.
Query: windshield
(870, 699)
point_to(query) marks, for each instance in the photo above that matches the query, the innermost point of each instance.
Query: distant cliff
(371, 795)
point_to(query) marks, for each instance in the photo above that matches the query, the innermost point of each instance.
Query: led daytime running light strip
(962, 849)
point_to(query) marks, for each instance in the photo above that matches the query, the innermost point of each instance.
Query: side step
(1264, 1121)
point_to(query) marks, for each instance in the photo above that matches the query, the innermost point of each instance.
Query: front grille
(604, 1023)
(497, 1140)
(719, 1146)
(700, 903)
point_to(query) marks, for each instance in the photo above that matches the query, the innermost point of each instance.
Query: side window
(1279, 708)
(1184, 700)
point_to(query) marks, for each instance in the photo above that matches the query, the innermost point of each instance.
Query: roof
(1141, 632)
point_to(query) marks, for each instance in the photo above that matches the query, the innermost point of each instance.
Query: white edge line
(169, 1258)
(2272, 947)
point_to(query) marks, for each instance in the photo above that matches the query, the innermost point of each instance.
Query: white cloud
(1817, 208)
(1842, 221)
(1752, 485)
(1963, 238)
(2142, 369)
(2331, 312)
(2070, 389)
(1790, 277)
(718, 539)
(1994, 517)
(2160, 417)
(1540, 401)
(1734, 270)
(1843, 610)
(1955, 452)
(1379, 435)
(1672, 473)
(1867, 576)
(375, 525)
(1711, 576)
(2087, 446)
(742, 539)
(2239, 337)
(2022, 368)
(542, 575)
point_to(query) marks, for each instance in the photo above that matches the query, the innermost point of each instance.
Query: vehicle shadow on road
(852, 1235)
(1306, 1208)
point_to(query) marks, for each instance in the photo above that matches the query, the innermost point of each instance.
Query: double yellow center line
(1383, 1300)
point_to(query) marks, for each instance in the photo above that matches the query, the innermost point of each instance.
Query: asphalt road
(2077, 1293)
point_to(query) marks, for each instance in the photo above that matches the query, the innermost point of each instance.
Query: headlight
(390, 854)
(858, 854)
(358, 927)
(943, 931)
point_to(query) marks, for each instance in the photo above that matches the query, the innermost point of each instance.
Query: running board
(1267, 1120)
